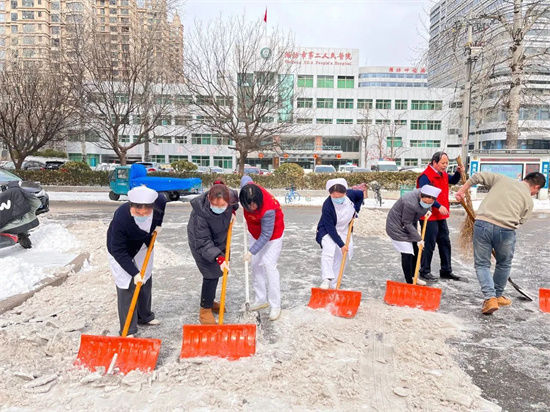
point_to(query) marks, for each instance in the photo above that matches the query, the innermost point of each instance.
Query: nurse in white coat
(128, 238)
(339, 208)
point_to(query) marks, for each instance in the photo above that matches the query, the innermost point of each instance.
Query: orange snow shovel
(343, 303)
(415, 296)
(544, 299)
(224, 341)
(121, 352)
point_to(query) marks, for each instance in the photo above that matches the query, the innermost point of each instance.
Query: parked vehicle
(216, 169)
(324, 169)
(414, 169)
(251, 170)
(124, 178)
(265, 172)
(347, 168)
(18, 209)
(6, 164)
(150, 166)
(33, 165)
(30, 187)
(53, 164)
(360, 170)
(384, 166)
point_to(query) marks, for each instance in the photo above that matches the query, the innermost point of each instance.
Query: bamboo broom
(467, 228)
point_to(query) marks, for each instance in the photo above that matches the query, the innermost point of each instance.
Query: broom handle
(463, 173)
(345, 254)
(224, 281)
(246, 285)
(417, 268)
(138, 286)
(471, 215)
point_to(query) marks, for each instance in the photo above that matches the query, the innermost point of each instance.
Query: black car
(31, 187)
(53, 164)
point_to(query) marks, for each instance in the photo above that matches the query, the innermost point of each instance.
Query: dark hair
(218, 191)
(437, 157)
(535, 179)
(250, 193)
(337, 188)
(142, 205)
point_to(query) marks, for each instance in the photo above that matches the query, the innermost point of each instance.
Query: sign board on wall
(321, 57)
(513, 171)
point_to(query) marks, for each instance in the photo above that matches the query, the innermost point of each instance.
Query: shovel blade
(223, 341)
(342, 303)
(544, 300)
(414, 296)
(132, 353)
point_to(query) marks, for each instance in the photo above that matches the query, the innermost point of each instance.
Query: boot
(206, 317)
(216, 307)
(489, 306)
(503, 301)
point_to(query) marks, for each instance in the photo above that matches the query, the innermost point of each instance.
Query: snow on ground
(386, 358)
(53, 247)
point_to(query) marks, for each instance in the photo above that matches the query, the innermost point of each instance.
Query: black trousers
(408, 263)
(208, 292)
(437, 233)
(142, 312)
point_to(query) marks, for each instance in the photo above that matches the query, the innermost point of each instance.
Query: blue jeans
(486, 238)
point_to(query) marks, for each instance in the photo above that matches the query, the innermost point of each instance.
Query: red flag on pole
(265, 15)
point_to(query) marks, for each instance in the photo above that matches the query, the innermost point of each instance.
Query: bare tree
(127, 80)
(243, 89)
(364, 132)
(37, 107)
(513, 36)
(386, 144)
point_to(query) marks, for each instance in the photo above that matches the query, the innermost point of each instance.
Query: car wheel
(113, 195)
(173, 196)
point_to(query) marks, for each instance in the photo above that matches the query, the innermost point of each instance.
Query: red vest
(441, 181)
(254, 219)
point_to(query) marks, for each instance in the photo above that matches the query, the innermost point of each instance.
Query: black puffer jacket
(207, 233)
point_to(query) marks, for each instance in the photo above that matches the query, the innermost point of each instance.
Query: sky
(386, 32)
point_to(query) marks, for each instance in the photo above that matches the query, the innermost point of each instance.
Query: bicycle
(377, 189)
(292, 195)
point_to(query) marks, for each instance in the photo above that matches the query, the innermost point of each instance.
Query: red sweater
(440, 181)
(254, 219)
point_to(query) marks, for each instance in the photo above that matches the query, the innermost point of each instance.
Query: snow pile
(386, 358)
(371, 222)
(22, 269)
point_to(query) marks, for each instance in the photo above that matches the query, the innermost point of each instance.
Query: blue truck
(124, 178)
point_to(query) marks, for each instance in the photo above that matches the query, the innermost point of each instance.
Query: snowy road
(506, 354)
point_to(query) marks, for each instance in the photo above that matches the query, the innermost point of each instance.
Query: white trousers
(265, 274)
(331, 259)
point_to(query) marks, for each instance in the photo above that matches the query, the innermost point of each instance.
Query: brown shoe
(206, 317)
(503, 301)
(489, 306)
(216, 307)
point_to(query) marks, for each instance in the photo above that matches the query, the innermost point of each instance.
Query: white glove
(247, 257)
(137, 279)
(224, 266)
(158, 229)
(420, 244)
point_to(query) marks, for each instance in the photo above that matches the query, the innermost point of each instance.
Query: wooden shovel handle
(224, 280)
(345, 254)
(420, 248)
(138, 286)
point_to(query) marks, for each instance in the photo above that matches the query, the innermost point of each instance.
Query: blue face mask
(217, 210)
(425, 205)
(338, 200)
(141, 219)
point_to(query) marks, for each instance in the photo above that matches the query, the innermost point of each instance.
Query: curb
(74, 266)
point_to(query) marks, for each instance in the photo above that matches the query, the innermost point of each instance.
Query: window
(14, 29)
(305, 80)
(124, 138)
(325, 103)
(201, 160)
(364, 121)
(455, 105)
(364, 103)
(411, 162)
(401, 105)
(304, 102)
(181, 120)
(201, 139)
(425, 143)
(223, 100)
(163, 139)
(452, 131)
(425, 124)
(13, 17)
(28, 40)
(54, 18)
(382, 121)
(175, 158)
(394, 141)
(28, 53)
(323, 121)
(27, 3)
(55, 29)
(325, 82)
(426, 104)
(344, 121)
(180, 139)
(13, 4)
(225, 162)
(302, 120)
(54, 5)
(344, 103)
(29, 28)
(346, 82)
(400, 122)
(383, 104)
(158, 158)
